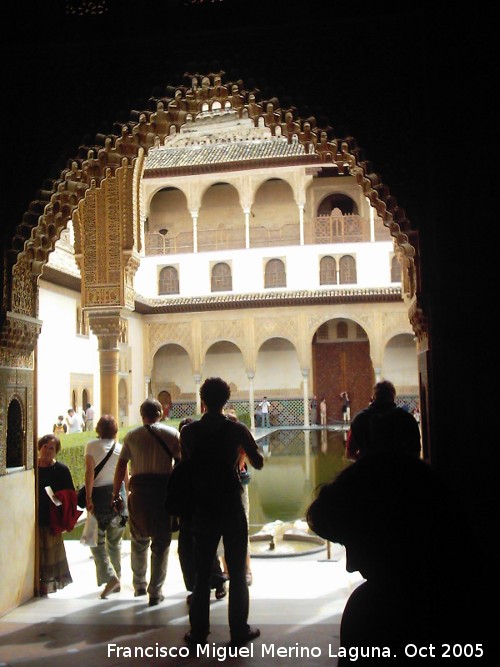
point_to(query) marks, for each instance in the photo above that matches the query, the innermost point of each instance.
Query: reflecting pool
(296, 462)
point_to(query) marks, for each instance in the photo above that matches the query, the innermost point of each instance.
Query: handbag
(81, 494)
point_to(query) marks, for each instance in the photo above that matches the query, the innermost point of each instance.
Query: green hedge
(73, 446)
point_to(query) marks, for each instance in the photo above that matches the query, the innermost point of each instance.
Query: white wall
(60, 353)
(137, 376)
(400, 362)
(373, 262)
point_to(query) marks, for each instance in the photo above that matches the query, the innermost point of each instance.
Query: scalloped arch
(48, 215)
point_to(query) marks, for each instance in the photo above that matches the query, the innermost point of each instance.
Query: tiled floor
(296, 602)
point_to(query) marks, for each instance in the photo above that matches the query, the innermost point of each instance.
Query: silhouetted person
(402, 532)
(383, 427)
(185, 549)
(214, 443)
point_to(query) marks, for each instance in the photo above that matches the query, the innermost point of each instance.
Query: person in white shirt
(74, 422)
(99, 490)
(264, 406)
(89, 418)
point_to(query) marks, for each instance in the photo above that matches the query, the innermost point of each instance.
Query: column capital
(107, 324)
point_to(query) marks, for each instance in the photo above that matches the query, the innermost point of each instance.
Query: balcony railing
(337, 229)
(323, 229)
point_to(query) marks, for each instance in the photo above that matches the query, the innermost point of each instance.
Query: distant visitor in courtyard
(383, 427)
(89, 418)
(150, 450)
(323, 412)
(346, 407)
(74, 422)
(314, 410)
(60, 426)
(265, 406)
(54, 568)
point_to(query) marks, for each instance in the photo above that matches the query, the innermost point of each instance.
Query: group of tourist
(128, 482)
(388, 508)
(75, 421)
(323, 410)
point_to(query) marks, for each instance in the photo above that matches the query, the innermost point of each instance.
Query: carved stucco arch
(226, 339)
(160, 334)
(47, 216)
(292, 342)
(286, 177)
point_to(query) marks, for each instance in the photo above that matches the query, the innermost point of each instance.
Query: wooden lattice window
(323, 332)
(275, 275)
(347, 270)
(342, 330)
(328, 271)
(222, 280)
(168, 282)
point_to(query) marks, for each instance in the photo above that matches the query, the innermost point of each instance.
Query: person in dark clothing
(185, 549)
(54, 569)
(383, 427)
(214, 443)
(402, 529)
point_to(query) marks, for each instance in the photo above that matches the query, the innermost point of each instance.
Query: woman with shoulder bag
(99, 492)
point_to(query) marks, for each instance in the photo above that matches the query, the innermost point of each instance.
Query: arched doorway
(166, 402)
(342, 362)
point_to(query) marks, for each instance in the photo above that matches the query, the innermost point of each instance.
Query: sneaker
(251, 633)
(156, 600)
(139, 592)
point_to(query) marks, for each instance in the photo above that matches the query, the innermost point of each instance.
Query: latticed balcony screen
(347, 270)
(169, 281)
(328, 271)
(221, 278)
(275, 275)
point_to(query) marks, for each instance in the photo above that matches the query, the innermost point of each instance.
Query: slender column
(107, 326)
(197, 382)
(194, 216)
(251, 399)
(247, 227)
(305, 375)
(372, 224)
(301, 223)
(378, 374)
(147, 386)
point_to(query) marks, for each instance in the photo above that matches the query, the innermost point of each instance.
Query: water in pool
(296, 462)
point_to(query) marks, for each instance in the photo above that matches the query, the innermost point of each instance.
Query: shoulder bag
(81, 495)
